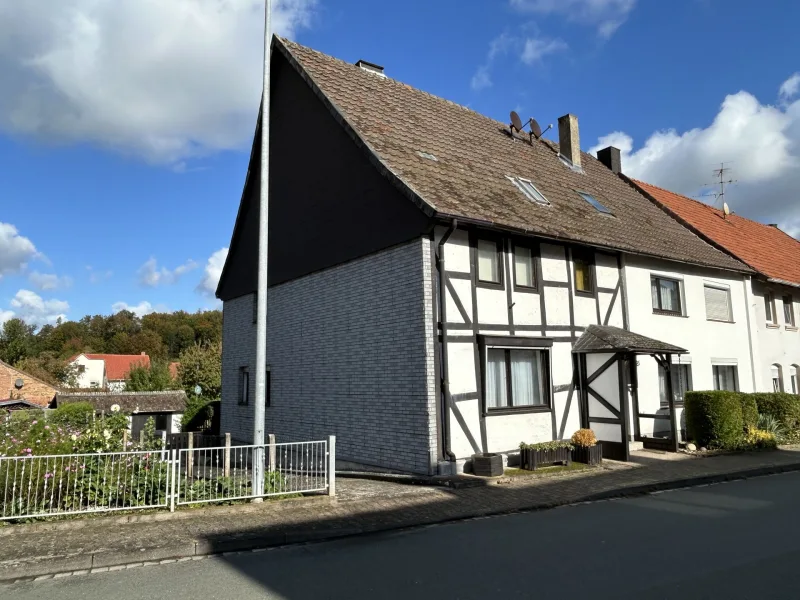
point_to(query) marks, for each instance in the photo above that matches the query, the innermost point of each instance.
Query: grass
(543, 471)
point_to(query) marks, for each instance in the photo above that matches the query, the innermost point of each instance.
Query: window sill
(721, 321)
(524, 289)
(584, 293)
(773, 326)
(669, 313)
(791, 328)
(516, 410)
(491, 285)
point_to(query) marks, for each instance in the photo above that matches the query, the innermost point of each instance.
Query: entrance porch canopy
(605, 338)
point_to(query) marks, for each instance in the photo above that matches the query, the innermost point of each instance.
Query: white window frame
(791, 323)
(529, 189)
(498, 259)
(771, 319)
(725, 288)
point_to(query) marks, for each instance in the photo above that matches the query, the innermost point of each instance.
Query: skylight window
(531, 191)
(595, 202)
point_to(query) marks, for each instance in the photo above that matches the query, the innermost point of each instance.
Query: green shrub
(199, 412)
(76, 416)
(555, 445)
(714, 419)
(785, 408)
(749, 410)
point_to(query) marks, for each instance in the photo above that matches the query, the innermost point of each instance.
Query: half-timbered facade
(433, 273)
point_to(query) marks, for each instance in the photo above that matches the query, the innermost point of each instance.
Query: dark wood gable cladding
(328, 203)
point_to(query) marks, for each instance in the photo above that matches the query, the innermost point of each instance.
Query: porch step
(635, 446)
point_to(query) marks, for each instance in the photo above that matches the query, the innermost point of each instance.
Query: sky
(125, 125)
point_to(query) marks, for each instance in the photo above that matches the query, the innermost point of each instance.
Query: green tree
(15, 341)
(48, 367)
(201, 364)
(155, 378)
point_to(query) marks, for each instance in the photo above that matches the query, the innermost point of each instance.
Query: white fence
(46, 486)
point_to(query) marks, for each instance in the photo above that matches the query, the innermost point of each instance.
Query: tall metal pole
(263, 239)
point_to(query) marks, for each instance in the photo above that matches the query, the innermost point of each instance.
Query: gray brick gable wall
(351, 353)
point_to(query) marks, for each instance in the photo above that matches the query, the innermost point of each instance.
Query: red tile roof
(119, 365)
(173, 369)
(765, 248)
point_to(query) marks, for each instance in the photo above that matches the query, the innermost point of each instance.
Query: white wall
(94, 372)
(776, 344)
(707, 342)
(116, 386)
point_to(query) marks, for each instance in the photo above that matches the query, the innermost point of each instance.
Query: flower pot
(487, 465)
(589, 455)
(531, 459)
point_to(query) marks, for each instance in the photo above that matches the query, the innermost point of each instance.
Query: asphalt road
(731, 541)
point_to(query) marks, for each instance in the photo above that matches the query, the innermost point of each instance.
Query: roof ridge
(56, 388)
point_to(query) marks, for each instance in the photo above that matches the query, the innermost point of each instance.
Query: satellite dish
(535, 129)
(726, 209)
(516, 122)
(18, 384)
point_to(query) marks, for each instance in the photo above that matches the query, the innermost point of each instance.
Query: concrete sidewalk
(100, 543)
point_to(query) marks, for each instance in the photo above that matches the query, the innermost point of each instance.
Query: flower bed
(533, 456)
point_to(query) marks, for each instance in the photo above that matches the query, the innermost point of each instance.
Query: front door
(604, 397)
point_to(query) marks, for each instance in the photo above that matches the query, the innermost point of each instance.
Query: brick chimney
(568, 139)
(610, 157)
(371, 68)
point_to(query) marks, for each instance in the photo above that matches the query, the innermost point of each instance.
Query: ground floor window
(793, 378)
(516, 378)
(777, 378)
(681, 383)
(726, 377)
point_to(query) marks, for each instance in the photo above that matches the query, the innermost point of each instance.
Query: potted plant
(586, 449)
(533, 456)
(488, 464)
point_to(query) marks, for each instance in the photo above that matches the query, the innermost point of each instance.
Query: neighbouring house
(165, 408)
(173, 370)
(13, 404)
(773, 293)
(22, 390)
(107, 371)
(442, 285)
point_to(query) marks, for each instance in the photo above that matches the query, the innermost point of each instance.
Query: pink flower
(34, 422)
(48, 475)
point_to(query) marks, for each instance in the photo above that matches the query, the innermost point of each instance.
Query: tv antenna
(721, 176)
(535, 130)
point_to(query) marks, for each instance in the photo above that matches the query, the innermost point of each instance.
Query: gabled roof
(129, 402)
(399, 126)
(605, 338)
(118, 365)
(765, 248)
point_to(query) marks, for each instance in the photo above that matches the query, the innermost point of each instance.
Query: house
(441, 285)
(774, 291)
(165, 408)
(23, 389)
(106, 371)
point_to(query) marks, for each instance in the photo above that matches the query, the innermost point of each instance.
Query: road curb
(103, 561)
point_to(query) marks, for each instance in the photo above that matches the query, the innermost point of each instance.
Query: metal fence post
(331, 465)
(190, 457)
(173, 480)
(272, 459)
(227, 461)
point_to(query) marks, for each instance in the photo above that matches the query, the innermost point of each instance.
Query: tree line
(43, 352)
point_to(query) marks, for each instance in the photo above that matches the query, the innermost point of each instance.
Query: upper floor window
(583, 273)
(524, 267)
(788, 310)
(769, 308)
(777, 378)
(531, 192)
(81, 369)
(490, 266)
(666, 295)
(718, 303)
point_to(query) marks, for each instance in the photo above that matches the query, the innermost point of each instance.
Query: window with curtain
(769, 307)
(725, 377)
(793, 378)
(777, 378)
(516, 378)
(583, 274)
(788, 310)
(681, 383)
(666, 295)
(718, 303)
(489, 266)
(524, 267)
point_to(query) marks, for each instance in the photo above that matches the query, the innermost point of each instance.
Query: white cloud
(163, 80)
(150, 275)
(536, 48)
(98, 276)
(789, 88)
(5, 315)
(760, 142)
(49, 281)
(212, 272)
(605, 15)
(34, 310)
(15, 250)
(481, 80)
(140, 310)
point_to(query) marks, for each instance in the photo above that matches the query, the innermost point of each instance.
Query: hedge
(749, 410)
(714, 418)
(784, 407)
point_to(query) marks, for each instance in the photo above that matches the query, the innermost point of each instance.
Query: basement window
(596, 203)
(531, 192)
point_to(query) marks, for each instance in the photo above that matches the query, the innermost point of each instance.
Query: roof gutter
(783, 282)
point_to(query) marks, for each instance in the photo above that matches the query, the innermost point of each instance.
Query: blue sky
(126, 124)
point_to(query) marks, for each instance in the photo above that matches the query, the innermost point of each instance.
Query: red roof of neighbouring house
(173, 369)
(118, 365)
(765, 248)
